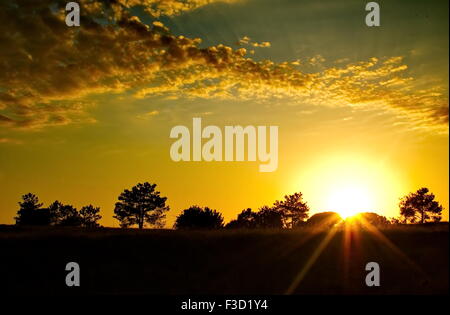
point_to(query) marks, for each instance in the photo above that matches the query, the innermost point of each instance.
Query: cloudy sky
(86, 111)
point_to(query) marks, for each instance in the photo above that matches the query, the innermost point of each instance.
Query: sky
(86, 112)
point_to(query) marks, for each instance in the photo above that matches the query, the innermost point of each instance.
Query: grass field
(412, 259)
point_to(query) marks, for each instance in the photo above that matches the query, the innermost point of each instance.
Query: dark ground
(114, 261)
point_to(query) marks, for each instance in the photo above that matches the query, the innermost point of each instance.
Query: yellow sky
(362, 112)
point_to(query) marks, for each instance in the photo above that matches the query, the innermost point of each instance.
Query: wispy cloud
(246, 41)
(10, 141)
(148, 115)
(47, 69)
(171, 7)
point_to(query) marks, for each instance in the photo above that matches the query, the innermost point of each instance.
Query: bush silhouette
(374, 218)
(196, 217)
(324, 220)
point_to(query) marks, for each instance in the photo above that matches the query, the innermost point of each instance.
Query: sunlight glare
(349, 184)
(348, 201)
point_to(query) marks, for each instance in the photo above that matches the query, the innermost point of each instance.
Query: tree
(420, 206)
(269, 218)
(64, 215)
(68, 215)
(196, 217)
(245, 220)
(140, 206)
(89, 216)
(31, 213)
(266, 217)
(293, 209)
(55, 212)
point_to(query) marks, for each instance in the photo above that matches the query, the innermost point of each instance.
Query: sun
(350, 200)
(349, 183)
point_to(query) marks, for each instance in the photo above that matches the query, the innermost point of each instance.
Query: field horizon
(413, 260)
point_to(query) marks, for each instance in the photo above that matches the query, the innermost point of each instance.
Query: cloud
(9, 141)
(170, 7)
(246, 41)
(262, 44)
(155, 8)
(148, 114)
(48, 71)
(5, 120)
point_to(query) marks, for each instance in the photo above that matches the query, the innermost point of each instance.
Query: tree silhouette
(245, 220)
(89, 216)
(266, 217)
(64, 215)
(419, 207)
(54, 210)
(68, 215)
(140, 206)
(31, 213)
(293, 209)
(196, 217)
